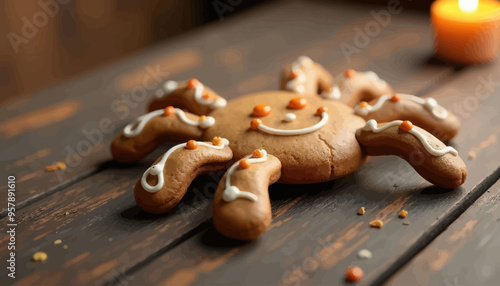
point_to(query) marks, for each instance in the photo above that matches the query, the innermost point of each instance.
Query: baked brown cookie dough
(423, 112)
(330, 152)
(357, 86)
(306, 77)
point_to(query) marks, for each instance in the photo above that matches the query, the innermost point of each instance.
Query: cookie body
(328, 153)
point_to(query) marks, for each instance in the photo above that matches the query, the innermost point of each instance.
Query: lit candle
(466, 31)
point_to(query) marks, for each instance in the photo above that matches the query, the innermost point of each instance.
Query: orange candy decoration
(217, 141)
(244, 164)
(169, 110)
(354, 274)
(261, 110)
(406, 125)
(206, 96)
(257, 154)
(349, 73)
(294, 74)
(191, 145)
(396, 97)
(363, 104)
(254, 124)
(297, 103)
(321, 110)
(192, 83)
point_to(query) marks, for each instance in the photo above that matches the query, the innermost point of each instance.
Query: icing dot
(257, 153)
(290, 117)
(349, 73)
(261, 110)
(244, 164)
(363, 104)
(294, 74)
(169, 110)
(206, 121)
(396, 97)
(254, 124)
(192, 83)
(406, 125)
(321, 110)
(431, 102)
(191, 145)
(230, 194)
(217, 141)
(170, 86)
(297, 103)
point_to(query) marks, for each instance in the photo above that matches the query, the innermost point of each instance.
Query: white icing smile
(275, 131)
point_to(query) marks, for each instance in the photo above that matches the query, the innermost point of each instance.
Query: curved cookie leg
(306, 77)
(147, 132)
(241, 207)
(356, 86)
(190, 95)
(164, 184)
(431, 158)
(423, 112)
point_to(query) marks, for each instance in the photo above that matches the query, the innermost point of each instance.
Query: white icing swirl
(141, 121)
(157, 169)
(231, 193)
(275, 131)
(298, 84)
(372, 125)
(430, 104)
(198, 96)
(168, 87)
(333, 94)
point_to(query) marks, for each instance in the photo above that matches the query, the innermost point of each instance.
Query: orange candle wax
(467, 32)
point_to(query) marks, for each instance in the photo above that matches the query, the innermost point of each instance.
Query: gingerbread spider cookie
(431, 158)
(423, 112)
(241, 207)
(164, 184)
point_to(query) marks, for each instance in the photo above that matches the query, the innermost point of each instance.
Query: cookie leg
(164, 184)
(356, 86)
(241, 207)
(430, 157)
(190, 95)
(306, 77)
(147, 132)
(423, 112)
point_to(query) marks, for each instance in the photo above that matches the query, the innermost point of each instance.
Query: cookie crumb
(66, 213)
(39, 257)
(354, 274)
(377, 223)
(65, 246)
(58, 166)
(403, 214)
(361, 211)
(365, 254)
(57, 241)
(472, 155)
(406, 223)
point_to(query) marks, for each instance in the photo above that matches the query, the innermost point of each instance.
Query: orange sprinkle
(169, 110)
(297, 103)
(58, 166)
(206, 96)
(294, 74)
(254, 124)
(396, 97)
(354, 274)
(261, 110)
(203, 118)
(244, 164)
(192, 83)
(257, 153)
(217, 141)
(349, 73)
(321, 110)
(191, 145)
(363, 104)
(406, 125)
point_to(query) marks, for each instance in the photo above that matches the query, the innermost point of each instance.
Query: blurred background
(46, 41)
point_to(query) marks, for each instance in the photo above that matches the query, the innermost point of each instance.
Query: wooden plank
(102, 207)
(465, 254)
(314, 241)
(235, 57)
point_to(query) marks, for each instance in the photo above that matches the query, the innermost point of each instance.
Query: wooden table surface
(453, 235)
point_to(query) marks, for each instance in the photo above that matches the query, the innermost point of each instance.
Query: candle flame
(468, 5)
